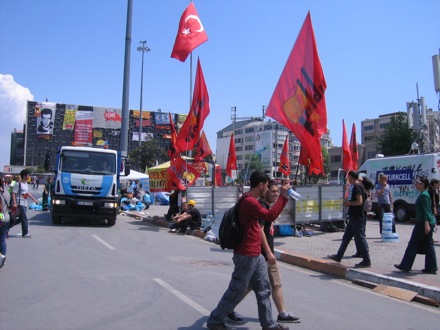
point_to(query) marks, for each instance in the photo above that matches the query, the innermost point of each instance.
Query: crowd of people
(132, 196)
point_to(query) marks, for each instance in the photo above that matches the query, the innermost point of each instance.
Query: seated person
(191, 218)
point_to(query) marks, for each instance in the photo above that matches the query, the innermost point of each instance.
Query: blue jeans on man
(248, 271)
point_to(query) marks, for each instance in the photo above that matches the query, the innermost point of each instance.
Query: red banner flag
(191, 128)
(202, 148)
(218, 176)
(354, 148)
(232, 158)
(190, 34)
(173, 150)
(304, 159)
(284, 158)
(298, 101)
(180, 175)
(347, 163)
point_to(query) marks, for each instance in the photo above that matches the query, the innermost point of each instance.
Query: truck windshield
(88, 162)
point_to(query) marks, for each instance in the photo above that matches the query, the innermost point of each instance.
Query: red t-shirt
(249, 213)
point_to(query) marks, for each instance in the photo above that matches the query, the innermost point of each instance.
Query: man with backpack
(250, 267)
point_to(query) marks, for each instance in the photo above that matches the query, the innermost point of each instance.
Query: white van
(401, 172)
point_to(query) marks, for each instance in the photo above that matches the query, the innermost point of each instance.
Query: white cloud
(13, 101)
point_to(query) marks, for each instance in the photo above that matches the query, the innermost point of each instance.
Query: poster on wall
(83, 128)
(263, 143)
(69, 117)
(107, 118)
(45, 113)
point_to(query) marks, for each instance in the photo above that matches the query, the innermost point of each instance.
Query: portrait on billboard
(45, 121)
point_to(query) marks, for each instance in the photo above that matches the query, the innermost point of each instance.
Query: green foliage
(147, 154)
(397, 138)
(315, 178)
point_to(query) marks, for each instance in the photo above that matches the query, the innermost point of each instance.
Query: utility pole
(142, 49)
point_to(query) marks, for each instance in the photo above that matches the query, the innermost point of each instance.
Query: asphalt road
(138, 276)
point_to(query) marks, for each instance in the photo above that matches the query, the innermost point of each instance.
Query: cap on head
(192, 202)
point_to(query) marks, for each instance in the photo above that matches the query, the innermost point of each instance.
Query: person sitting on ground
(191, 218)
(176, 225)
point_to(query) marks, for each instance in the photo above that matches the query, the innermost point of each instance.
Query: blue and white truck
(402, 171)
(86, 183)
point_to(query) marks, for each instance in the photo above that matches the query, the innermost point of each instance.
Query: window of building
(249, 130)
(368, 127)
(249, 147)
(238, 131)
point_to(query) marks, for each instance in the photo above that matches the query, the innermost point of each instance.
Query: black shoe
(216, 326)
(181, 232)
(334, 257)
(288, 319)
(357, 255)
(278, 326)
(363, 264)
(235, 318)
(432, 272)
(401, 268)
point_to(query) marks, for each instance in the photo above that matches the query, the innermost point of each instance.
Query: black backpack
(230, 233)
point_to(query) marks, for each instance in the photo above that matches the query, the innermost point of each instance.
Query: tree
(148, 153)
(397, 138)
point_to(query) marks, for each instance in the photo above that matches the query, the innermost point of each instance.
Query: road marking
(182, 297)
(103, 242)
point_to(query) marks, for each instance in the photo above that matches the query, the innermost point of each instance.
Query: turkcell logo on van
(398, 177)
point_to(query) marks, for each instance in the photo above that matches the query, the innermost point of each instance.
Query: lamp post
(142, 49)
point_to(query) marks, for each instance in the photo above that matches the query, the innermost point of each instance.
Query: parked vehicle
(86, 183)
(402, 171)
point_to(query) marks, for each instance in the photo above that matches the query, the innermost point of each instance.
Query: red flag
(180, 175)
(284, 158)
(354, 148)
(304, 159)
(173, 150)
(218, 176)
(190, 34)
(298, 101)
(347, 164)
(232, 158)
(202, 148)
(191, 128)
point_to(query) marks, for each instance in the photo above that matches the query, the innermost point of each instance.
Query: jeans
(248, 271)
(24, 220)
(3, 234)
(356, 229)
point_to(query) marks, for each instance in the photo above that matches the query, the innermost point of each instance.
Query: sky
(373, 54)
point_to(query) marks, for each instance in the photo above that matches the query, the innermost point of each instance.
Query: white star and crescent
(186, 31)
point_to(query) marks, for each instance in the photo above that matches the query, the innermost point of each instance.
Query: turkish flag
(298, 101)
(354, 149)
(173, 150)
(190, 34)
(232, 158)
(347, 163)
(202, 148)
(180, 175)
(218, 176)
(284, 158)
(191, 128)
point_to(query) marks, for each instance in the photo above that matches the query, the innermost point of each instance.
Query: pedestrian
(250, 268)
(367, 185)
(422, 233)
(4, 222)
(355, 226)
(191, 218)
(435, 184)
(384, 200)
(46, 193)
(20, 194)
(173, 198)
(267, 245)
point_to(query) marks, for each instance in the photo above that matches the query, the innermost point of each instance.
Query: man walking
(250, 268)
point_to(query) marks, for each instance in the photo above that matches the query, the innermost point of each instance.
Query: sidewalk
(310, 251)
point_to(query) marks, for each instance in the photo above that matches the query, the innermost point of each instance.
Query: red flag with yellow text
(298, 101)
(347, 163)
(354, 148)
(202, 148)
(191, 128)
(190, 34)
(218, 176)
(232, 158)
(180, 175)
(173, 150)
(284, 158)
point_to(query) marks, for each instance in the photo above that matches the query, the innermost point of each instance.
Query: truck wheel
(111, 222)
(401, 213)
(56, 220)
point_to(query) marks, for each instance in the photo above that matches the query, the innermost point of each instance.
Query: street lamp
(142, 49)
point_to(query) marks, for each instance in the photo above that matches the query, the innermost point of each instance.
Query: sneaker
(2, 260)
(234, 318)
(172, 230)
(278, 326)
(216, 326)
(27, 236)
(289, 318)
(363, 264)
(334, 257)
